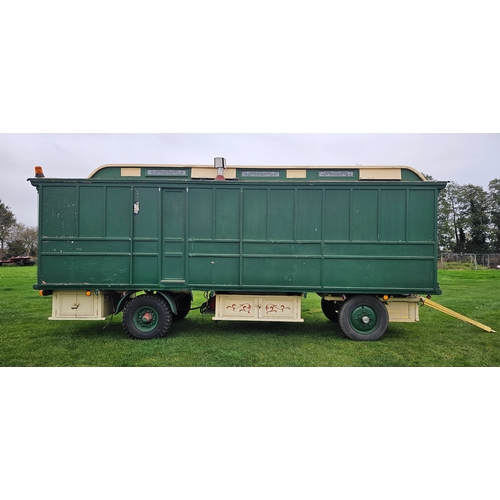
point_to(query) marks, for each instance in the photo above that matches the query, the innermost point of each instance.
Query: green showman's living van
(139, 239)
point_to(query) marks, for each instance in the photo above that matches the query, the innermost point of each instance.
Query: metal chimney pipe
(220, 165)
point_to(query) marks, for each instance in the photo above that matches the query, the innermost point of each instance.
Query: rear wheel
(147, 316)
(330, 309)
(363, 317)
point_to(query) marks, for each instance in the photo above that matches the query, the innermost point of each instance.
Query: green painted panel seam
(279, 256)
(322, 242)
(159, 264)
(378, 257)
(240, 277)
(87, 254)
(132, 232)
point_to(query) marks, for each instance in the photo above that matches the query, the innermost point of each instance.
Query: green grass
(460, 266)
(29, 339)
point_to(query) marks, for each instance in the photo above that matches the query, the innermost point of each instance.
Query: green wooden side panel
(85, 235)
(85, 270)
(227, 208)
(380, 275)
(91, 215)
(174, 230)
(146, 238)
(200, 213)
(146, 221)
(422, 223)
(364, 215)
(214, 272)
(309, 201)
(392, 221)
(280, 217)
(118, 211)
(286, 235)
(349, 237)
(281, 272)
(336, 215)
(255, 213)
(58, 211)
(213, 253)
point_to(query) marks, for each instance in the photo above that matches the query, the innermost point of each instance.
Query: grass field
(29, 339)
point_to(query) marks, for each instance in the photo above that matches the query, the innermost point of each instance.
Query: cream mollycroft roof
(194, 171)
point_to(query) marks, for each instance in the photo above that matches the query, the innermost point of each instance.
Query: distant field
(29, 339)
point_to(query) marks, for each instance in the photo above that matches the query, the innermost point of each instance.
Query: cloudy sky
(463, 158)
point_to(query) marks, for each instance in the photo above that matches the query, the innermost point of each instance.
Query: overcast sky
(463, 158)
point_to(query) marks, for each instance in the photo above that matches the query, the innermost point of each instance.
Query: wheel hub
(147, 317)
(364, 319)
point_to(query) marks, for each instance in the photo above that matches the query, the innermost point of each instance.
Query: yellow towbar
(439, 307)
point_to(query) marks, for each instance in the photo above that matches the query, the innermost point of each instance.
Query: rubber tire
(183, 303)
(371, 308)
(160, 310)
(331, 309)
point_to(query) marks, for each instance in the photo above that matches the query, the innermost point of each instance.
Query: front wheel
(147, 316)
(183, 303)
(363, 317)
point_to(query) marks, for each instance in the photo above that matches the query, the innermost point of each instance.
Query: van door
(173, 238)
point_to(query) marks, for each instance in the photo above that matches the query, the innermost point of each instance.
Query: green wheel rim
(145, 319)
(364, 320)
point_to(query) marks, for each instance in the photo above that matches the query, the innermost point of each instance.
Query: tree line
(16, 239)
(469, 218)
(468, 222)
